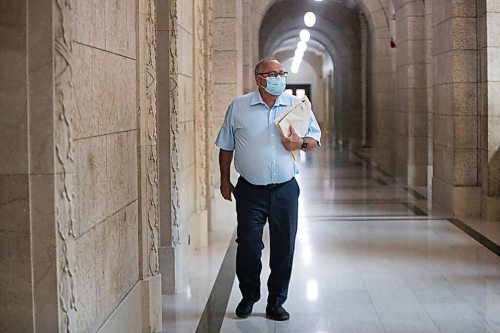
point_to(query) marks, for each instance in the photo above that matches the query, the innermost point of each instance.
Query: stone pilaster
(64, 107)
(489, 18)
(455, 97)
(411, 92)
(148, 173)
(211, 168)
(228, 83)
(382, 84)
(364, 80)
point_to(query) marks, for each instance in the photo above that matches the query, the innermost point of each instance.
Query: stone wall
(105, 134)
(16, 291)
(455, 97)
(227, 84)
(79, 156)
(489, 43)
(185, 85)
(411, 93)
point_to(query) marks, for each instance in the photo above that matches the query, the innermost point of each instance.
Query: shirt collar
(282, 99)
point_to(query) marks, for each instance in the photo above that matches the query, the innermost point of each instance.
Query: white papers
(298, 116)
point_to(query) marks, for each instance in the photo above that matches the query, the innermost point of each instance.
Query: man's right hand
(226, 188)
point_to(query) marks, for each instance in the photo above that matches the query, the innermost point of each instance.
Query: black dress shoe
(277, 313)
(244, 309)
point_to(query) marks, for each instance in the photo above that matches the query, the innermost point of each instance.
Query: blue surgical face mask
(275, 85)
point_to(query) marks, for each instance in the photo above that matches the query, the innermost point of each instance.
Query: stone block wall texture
(412, 92)
(489, 87)
(16, 291)
(105, 143)
(455, 117)
(382, 91)
(69, 184)
(227, 84)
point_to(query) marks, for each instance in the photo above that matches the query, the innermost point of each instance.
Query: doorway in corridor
(299, 90)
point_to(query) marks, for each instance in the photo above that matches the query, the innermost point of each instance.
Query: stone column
(42, 159)
(382, 90)
(228, 83)
(364, 80)
(455, 56)
(148, 173)
(28, 236)
(489, 18)
(248, 47)
(168, 100)
(411, 92)
(211, 167)
(430, 104)
(200, 238)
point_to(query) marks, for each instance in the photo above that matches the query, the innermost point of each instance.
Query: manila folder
(298, 116)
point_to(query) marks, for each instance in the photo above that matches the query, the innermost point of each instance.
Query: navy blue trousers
(254, 206)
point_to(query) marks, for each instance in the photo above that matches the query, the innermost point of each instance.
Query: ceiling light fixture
(310, 19)
(305, 35)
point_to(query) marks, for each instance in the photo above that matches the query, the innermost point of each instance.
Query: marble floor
(371, 256)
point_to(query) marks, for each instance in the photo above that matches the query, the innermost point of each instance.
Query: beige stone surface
(44, 270)
(490, 208)
(15, 286)
(187, 137)
(128, 316)
(13, 92)
(185, 107)
(92, 193)
(87, 279)
(493, 103)
(120, 27)
(117, 265)
(105, 92)
(90, 23)
(492, 19)
(455, 99)
(185, 12)
(121, 170)
(152, 305)
(466, 166)
(225, 66)
(114, 92)
(14, 204)
(185, 49)
(225, 94)
(40, 91)
(106, 171)
(443, 163)
(187, 179)
(458, 131)
(465, 66)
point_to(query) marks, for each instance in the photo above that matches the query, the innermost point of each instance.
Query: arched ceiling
(337, 28)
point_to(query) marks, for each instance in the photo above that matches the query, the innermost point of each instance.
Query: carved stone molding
(209, 94)
(152, 135)
(174, 124)
(200, 105)
(64, 105)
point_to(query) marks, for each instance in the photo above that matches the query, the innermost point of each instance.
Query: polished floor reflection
(370, 257)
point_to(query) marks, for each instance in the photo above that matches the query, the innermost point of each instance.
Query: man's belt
(272, 186)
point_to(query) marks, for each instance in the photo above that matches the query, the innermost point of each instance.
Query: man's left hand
(293, 141)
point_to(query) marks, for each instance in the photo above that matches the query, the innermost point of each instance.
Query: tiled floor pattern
(369, 258)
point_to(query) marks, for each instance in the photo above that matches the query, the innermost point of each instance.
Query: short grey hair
(258, 67)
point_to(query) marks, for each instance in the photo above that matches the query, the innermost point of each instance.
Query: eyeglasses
(275, 74)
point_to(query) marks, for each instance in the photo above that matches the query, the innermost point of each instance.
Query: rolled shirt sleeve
(314, 131)
(225, 138)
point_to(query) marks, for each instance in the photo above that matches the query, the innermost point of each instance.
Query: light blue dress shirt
(249, 131)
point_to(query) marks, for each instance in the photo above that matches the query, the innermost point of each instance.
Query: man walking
(266, 189)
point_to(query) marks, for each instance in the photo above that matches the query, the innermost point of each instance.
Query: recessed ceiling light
(304, 35)
(310, 19)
